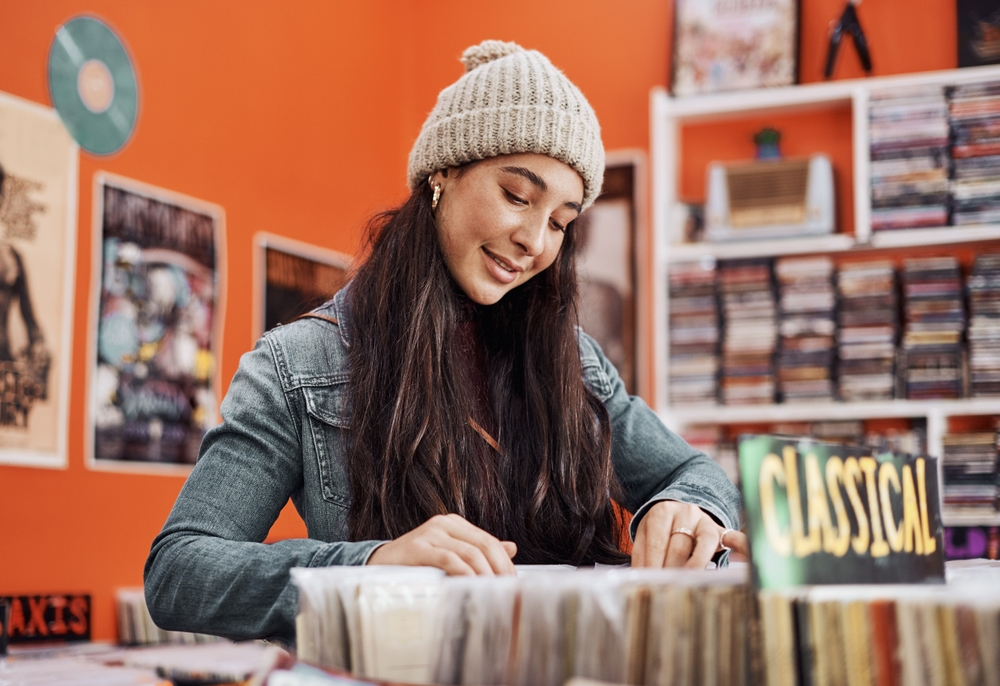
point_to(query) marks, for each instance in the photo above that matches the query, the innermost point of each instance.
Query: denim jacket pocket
(327, 422)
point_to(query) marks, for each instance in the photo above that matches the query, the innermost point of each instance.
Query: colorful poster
(293, 278)
(725, 45)
(825, 513)
(38, 181)
(158, 323)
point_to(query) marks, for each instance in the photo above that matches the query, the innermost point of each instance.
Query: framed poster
(292, 278)
(978, 32)
(607, 237)
(157, 314)
(726, 45)
(38, 201)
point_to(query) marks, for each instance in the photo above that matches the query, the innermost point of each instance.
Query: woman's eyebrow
(538, 181)
(529, 175)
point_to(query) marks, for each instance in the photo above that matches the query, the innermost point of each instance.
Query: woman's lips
(501, 270)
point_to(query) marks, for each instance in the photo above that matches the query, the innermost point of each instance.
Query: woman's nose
(530, 237)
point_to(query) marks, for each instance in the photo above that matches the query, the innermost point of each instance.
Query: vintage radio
(769, 198)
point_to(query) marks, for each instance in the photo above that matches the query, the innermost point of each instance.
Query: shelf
(777, 247)
(812, 95)
(970, 519)
(668, 117)
(943, 235)
(821, 411)
(717, 105)
(691, 252)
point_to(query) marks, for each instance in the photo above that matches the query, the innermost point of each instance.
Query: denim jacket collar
(340, 311)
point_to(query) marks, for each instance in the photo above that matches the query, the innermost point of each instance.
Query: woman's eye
(514, 199)
(557, 226)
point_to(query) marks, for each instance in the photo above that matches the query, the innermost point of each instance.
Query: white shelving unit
(667, 117)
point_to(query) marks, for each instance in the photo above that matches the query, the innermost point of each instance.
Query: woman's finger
(447, 560)
(737, 541)
(490, 546)
(639, 547)
(706, 541)
(680, 546)
(655, 527)
(470, 554)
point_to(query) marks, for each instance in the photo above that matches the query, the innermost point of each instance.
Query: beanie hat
(510, 100)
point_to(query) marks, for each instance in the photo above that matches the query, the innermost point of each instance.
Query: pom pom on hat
(509, 101)
(487, 51)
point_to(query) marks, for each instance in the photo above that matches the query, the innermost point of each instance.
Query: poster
(978, 33)
(293, 278)
(725, 45)
(157, 324)
(606, 236)
(826, 513)
(37, 265)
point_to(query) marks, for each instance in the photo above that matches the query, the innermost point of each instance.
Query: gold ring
(682, 530)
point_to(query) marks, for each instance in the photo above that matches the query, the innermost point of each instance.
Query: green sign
(824, 513)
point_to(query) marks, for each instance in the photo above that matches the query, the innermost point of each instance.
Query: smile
(503, 265)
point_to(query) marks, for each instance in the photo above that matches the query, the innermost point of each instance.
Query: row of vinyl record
(646, 627)
(935, 156)
(805, 328)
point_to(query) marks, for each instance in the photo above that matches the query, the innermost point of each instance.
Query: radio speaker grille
(769, 193)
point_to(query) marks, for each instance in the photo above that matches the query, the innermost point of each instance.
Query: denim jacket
(282, 437)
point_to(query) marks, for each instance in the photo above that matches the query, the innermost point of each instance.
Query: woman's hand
(676, 534)
(451, 543)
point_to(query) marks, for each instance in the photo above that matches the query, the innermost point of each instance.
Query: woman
(443, 409)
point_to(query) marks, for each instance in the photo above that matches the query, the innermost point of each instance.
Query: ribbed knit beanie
(510, 100)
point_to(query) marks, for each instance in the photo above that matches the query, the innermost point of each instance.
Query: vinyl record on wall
(92, 85)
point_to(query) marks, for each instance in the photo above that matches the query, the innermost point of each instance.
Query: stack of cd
(807, 305)
(909, 158)
(935, 325)
(970, 471)
(850, 432)
(984, 326)
(866, 339)
(694, 334)
(750, 332)
(975, 127)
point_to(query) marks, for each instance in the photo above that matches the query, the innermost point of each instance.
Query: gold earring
(437, 196)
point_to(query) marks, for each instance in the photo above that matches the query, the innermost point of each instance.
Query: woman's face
(501, 221)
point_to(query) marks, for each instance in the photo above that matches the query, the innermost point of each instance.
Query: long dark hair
(411, 453)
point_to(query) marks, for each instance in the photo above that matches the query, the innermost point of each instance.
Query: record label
(93, 86)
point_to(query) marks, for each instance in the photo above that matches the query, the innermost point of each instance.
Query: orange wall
(288, 119)
(297, 119)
